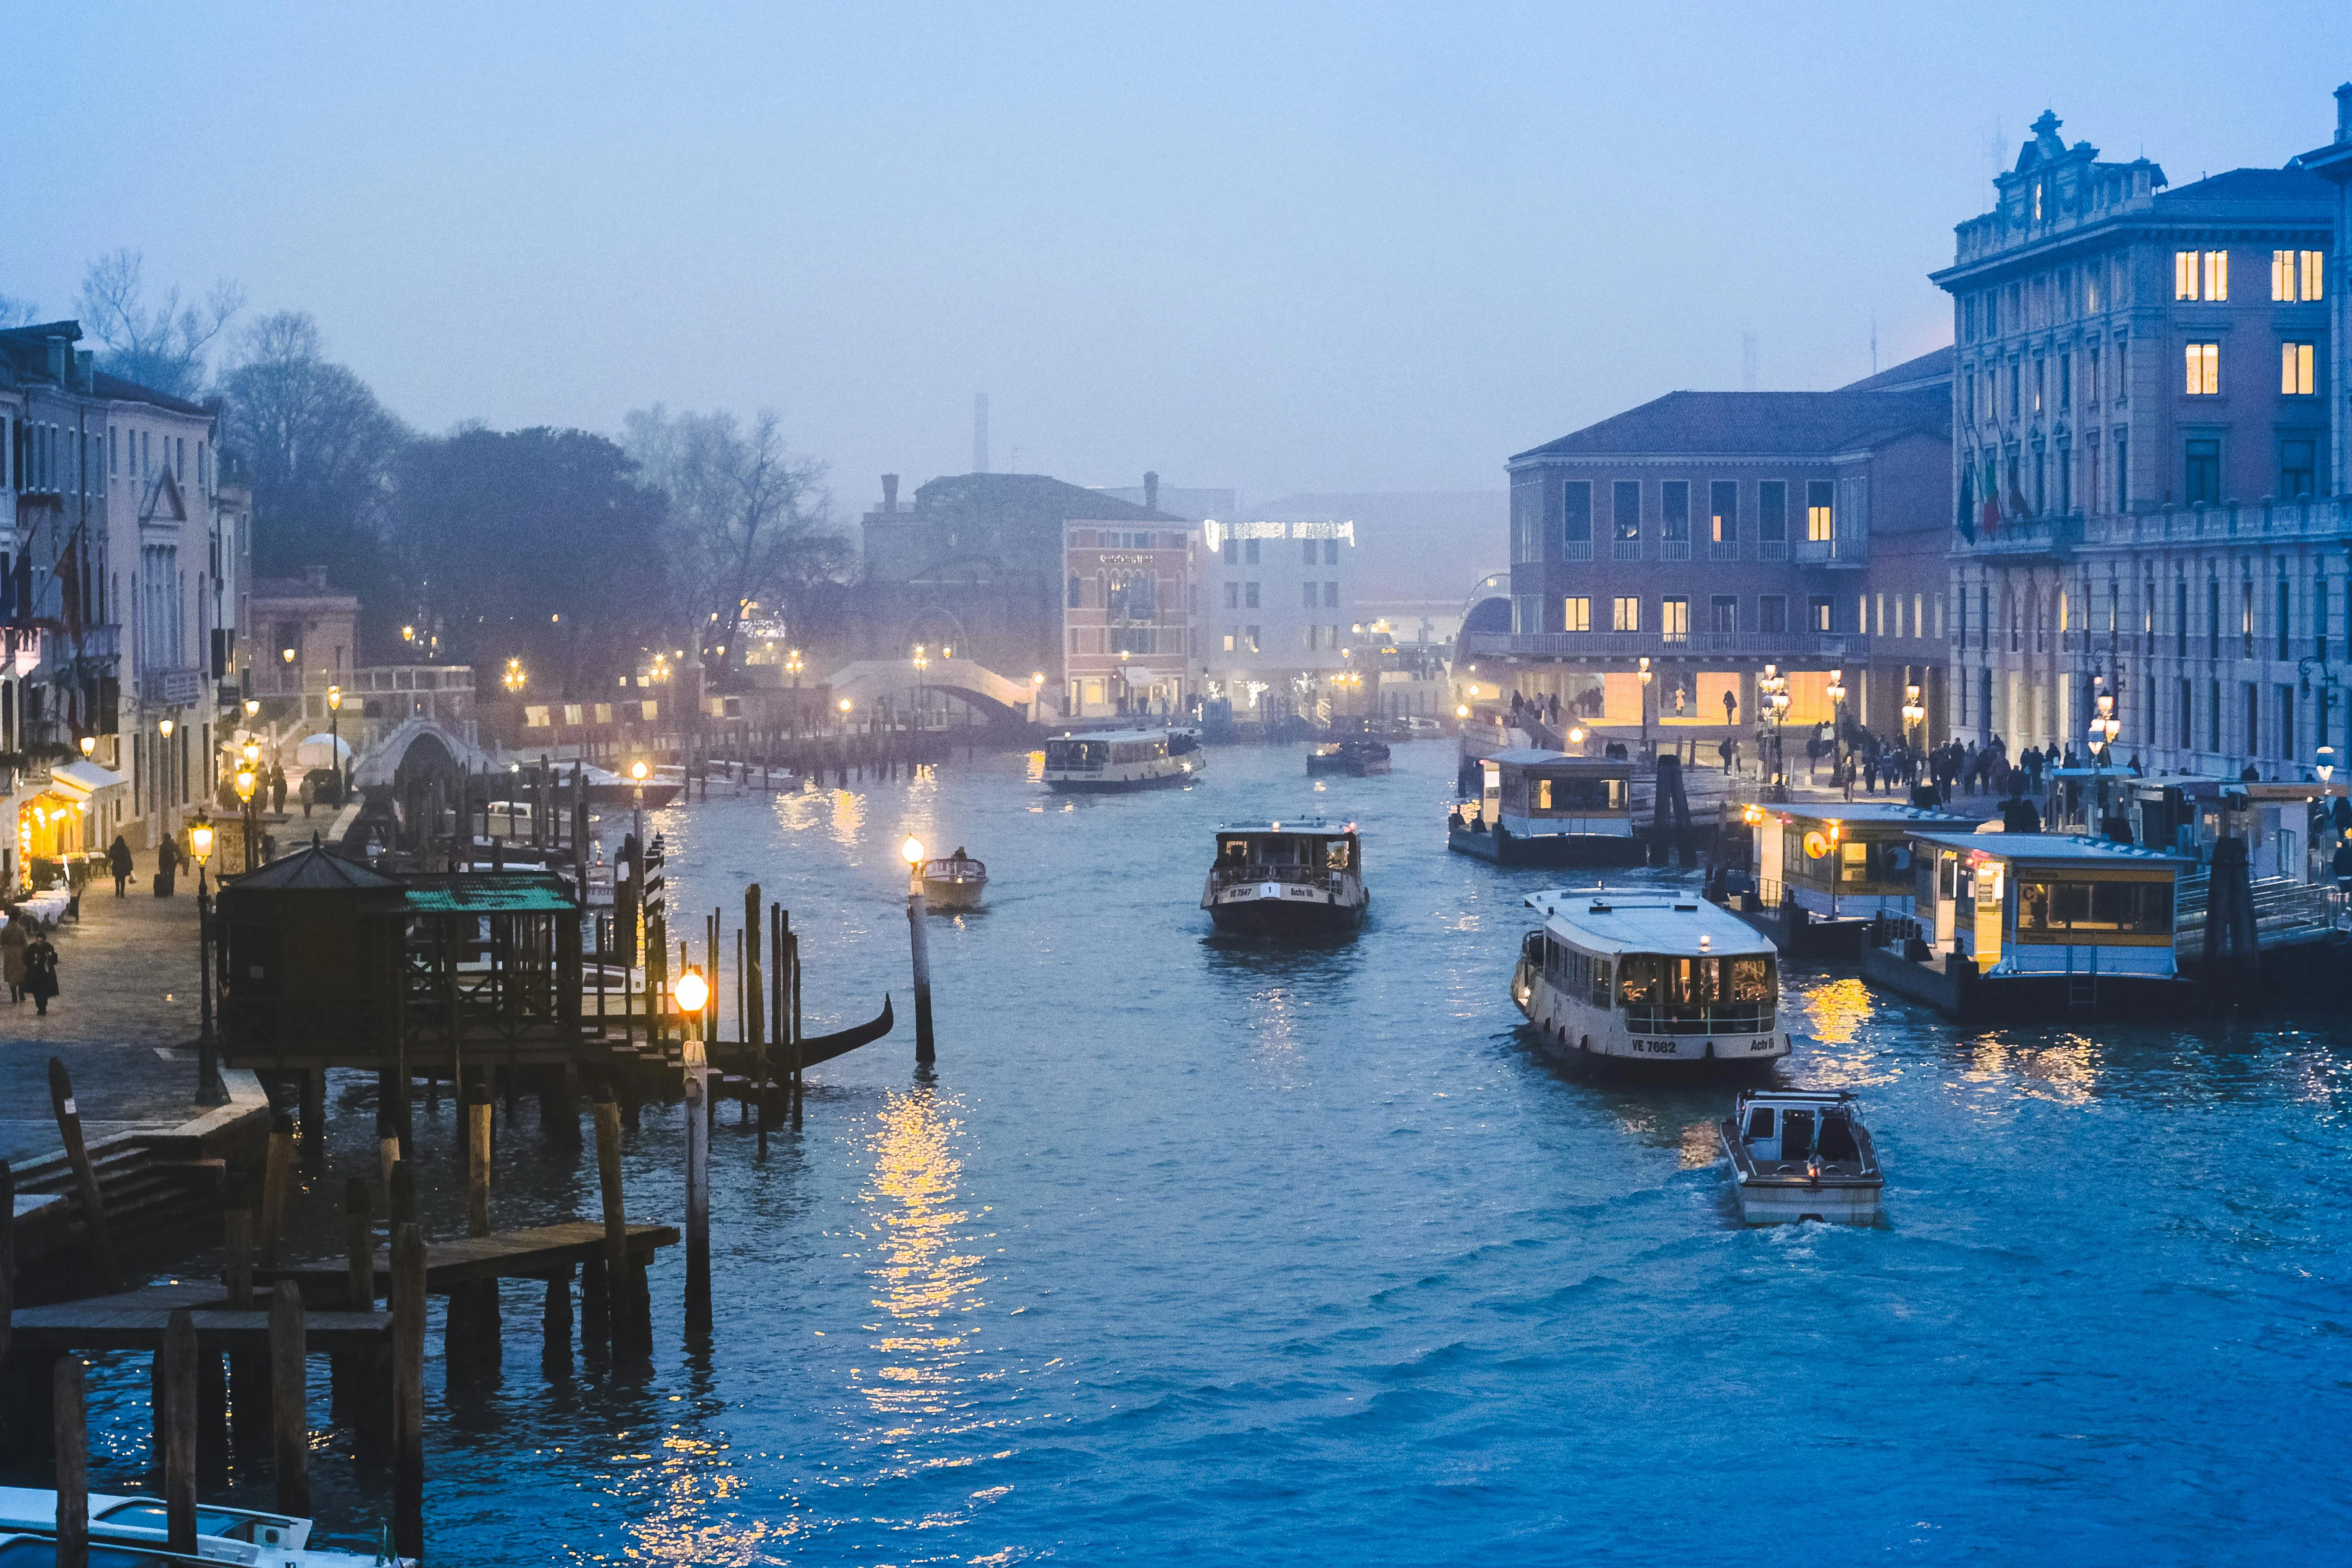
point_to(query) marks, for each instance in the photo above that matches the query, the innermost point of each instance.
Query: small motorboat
(1358, 755)
(954, 883)
(1800, 1154)
(125, 1529)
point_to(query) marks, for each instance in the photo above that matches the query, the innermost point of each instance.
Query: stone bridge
(896, 679)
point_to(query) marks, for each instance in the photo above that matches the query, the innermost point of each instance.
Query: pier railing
(2285, 912)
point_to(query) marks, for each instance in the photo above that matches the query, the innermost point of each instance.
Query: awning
(84, 781)
(1135, 677)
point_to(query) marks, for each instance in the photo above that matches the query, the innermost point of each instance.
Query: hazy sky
(1276, 248)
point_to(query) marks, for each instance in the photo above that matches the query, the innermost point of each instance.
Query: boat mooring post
(692, 993)
(70, 1432)
(918, 917)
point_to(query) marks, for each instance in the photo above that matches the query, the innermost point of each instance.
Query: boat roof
(1870, 812)
(1795, 1097)
(2208, 785)
(1604, 920)
(1288, 825)
(1531, 757)
(1113, 736)
(2074, 848)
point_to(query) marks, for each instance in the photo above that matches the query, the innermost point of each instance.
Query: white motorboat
(1123, 760)
(1800, 1154)
(1297, 879)
(954, 881)
(223, 1535)
(1648, 977)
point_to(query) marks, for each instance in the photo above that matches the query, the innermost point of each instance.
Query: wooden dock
(135, 1320)
(537, 1253)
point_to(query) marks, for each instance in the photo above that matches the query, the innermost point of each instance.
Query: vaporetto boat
(1648, 977)
(1124, 759)
(1297, 879)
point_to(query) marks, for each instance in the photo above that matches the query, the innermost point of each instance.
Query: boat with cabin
(1799, 1154)
(1541, 808)
(134, 1530)
(1359, 756)
(1123, 760)
(1298, 881)
(954, 881)
(1648, 977)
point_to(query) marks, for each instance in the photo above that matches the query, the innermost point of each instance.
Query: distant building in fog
(1277, 608)
(1128, 597)
(978, 563)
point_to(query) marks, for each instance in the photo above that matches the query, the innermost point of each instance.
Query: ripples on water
(1220, 1254)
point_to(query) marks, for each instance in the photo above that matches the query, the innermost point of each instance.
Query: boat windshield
(1678, 993)
(1073, 754)
(1300, 851)
(1574, 796)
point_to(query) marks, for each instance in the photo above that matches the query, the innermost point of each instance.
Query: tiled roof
(1927, 371)
(2252, 187)
(310, 869)
(1032, 493)
(122, 391)
(1762, 424)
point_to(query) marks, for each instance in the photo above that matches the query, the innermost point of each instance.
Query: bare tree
(15, 312)
(166, 346)
(749, 523)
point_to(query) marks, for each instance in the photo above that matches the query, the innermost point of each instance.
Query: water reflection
(2066, 1069)
(682, 1513)
(929, 1289)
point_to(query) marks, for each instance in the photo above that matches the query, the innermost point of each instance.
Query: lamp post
(1646, 677)
(245, 782)
(1036, 697)
(210, 1088)
(922, 663)
(916, 916)
(693, 993)
(335, 741)
(1837, 726)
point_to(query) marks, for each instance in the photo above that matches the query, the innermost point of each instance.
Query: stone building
(1129, 599)
(1278, 617)
(977, 563)
(2141, 455)
(1707, 535)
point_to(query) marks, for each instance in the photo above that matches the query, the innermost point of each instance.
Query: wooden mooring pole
(290, 1398)
(93, 1202)
(70, 1430)
(628, 1308)
(277, 1180)
(408, 1391)
(175, 1428)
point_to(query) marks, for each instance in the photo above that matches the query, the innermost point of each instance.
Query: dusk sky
(1280, 249)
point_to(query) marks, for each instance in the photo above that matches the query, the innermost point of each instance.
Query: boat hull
(1556, 849)
(1571, 1030)
(964, 894)
(1784, 1195)
(1286, 920)
(1080, 784)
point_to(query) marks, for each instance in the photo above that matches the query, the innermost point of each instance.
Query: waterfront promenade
(124, 1022)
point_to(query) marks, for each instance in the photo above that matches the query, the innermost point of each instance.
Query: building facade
(1703, 536)
(1278, 617)
(2142, 462)
(1129, 598)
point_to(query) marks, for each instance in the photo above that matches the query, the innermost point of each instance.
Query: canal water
(1196, 1253)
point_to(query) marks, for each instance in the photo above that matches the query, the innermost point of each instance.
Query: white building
(1278, 603)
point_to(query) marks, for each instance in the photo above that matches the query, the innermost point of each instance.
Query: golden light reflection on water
(681, 1515)
(929, 1291)
(1034, 767)
(1839, 1009)
(2066, 1069)
(848, 817)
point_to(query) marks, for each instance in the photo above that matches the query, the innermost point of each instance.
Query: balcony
(1577, 550)
(173, 688)
(1723, 550)
(1845, 550)
(1628, 646)
(1676, 550)
(1629, 549)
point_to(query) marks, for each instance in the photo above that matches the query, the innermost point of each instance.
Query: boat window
(1796, 1134)
(209, 1521)
(1232, 851)
(1759, 1121)
(1751, 980)
(1575, 797)
(1336, 854)
(1639, 981)
(1837, 1137)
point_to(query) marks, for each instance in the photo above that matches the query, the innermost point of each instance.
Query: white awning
(1135, 676)
(84, 781)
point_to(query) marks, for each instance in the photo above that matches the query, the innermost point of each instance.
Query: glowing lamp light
(408, 634)
(911, 851)
(1036, 678)
(88, 744)
(691, 990)
(200, 840)
(638, 770)
(253, 755)
(2326, 768)
(166, 725)
(286, 654)
(1462, 710)
(245, 782)
(252, 706)
(1474, 688)
(845, 705)
(334, 699)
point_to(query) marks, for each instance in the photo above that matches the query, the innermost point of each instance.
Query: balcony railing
(1629, 549)
(2328, 518)
(1771, 550)
(1577, 550)
(1633, 645)
(1847, 550)
(1723, 550)
(1676, 550)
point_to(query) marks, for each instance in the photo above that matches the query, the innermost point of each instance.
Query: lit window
(2184, 275)
(2313, 263)
(2294, 369)
(2217, 274)
(1821, 513)
(2200, 274)
(2282, 274)
(1723, 509)
(1676, 620)
(2204, 366)
(1625, 615)
(1577, 617)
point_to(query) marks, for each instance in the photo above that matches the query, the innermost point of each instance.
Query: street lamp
(245, 785)
(210, 1088)
(794, 666)
(1836, 694)
(252, 707)
(2325, 764)
(693, 993)
(1646, 677)
(911, 851)
(165, 724)
(88, 743)
(335, 741)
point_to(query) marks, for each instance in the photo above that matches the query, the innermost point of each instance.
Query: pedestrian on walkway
(14, 938)
(167, 866)
(40, 972)
(278, 789)
(118, 860)
(310, 796)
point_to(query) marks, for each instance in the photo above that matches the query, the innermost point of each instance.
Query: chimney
(85, 369)
(890, 492)
(1151, 491)
(58, 355)
(2344, 112)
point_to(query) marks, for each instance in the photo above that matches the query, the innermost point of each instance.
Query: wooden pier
(540, 1253)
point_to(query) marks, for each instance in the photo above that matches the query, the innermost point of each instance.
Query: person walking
(118, 860)
(278, 789)
(167, 866)
(40, 972)
(14, 938)
(308, 796)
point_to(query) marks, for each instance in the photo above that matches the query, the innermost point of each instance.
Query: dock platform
(531, 1254)
(135, 1320)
